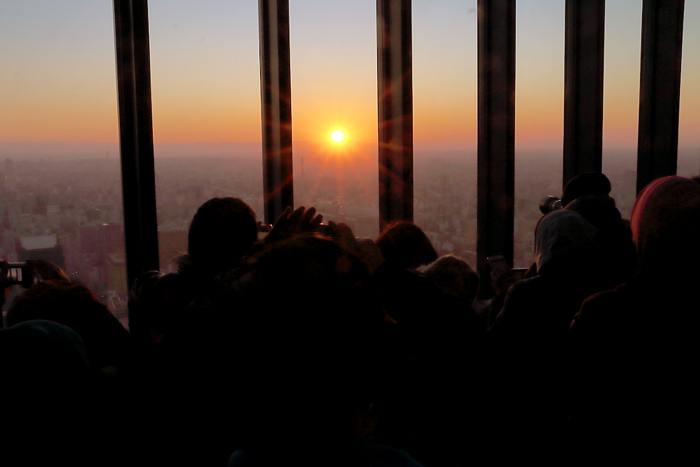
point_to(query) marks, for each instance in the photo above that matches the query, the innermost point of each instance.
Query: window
(206, 112)
(334, 88)
(444, 124)
(688, 136)
(61, 186)
(539, 117)
(623, 32)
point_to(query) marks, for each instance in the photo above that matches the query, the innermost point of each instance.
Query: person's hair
(75, 306)
(454, 276)
(405, 245)
(586, 183)
(221, 232)
(665, 221)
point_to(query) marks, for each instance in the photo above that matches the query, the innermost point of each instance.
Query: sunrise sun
(338, 136)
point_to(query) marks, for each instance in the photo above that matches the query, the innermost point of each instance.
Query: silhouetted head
(454, 276)
(406, 246)
(600, 210)
(47, 396)
(587, 183)
(665, 222)
(221, 232)
(40, 351)
(563, 242)
(73, 305)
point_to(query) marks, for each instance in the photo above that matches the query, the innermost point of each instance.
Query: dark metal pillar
(583, 77)
(395, 99)
(660, 88)
(496, 146)
(136, 136)
(276, 101)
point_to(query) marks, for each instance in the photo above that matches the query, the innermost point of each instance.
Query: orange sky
(59, 84)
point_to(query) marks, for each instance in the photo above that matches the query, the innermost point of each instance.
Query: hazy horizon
(110, 149)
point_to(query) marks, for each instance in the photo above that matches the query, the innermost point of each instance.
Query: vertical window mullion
(136, 136)
(395, 113)
(276, 101)
(496, 134)
(583, 101)
(660, 89)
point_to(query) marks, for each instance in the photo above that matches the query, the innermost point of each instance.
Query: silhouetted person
(636, 346)
(404, 245)
(585, 183)
(307, 351)
(616, 257)
(530, 337)
(168, 381)
(75, 306)
(221, 232)
(432, 407)
(454, 276)
(52, 412)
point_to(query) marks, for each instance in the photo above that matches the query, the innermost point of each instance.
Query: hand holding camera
(291, 223)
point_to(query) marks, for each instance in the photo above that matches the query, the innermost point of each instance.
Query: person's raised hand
(502, 282)
(47, 270)
(291, 223)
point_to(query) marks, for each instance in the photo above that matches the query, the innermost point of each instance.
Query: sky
(57, 80)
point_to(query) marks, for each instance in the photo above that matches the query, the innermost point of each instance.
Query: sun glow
(337, 136)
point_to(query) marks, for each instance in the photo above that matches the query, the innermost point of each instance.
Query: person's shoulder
(524, 288)
(604, 309)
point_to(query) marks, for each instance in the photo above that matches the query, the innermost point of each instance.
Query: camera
(20, 273)
(549, 203)
(322, 229)
(263, 230)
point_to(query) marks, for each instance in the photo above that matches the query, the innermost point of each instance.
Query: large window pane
(689, 132)
(444, 124)
(206, 111)
(539, 116)
(623, 42)
(60, 187)
(334, 88)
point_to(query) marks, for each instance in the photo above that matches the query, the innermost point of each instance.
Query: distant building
(116, 272)
(89, 238)
(41, 247)
(101, 239)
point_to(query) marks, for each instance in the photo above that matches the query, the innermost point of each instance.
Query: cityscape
(68, 210)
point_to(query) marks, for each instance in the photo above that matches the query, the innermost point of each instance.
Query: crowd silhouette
(310, 348)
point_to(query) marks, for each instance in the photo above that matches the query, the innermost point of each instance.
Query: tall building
(41, 247)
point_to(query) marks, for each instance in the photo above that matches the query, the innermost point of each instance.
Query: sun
(337, 136)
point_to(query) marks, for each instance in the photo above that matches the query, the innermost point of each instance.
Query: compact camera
(21, 274)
